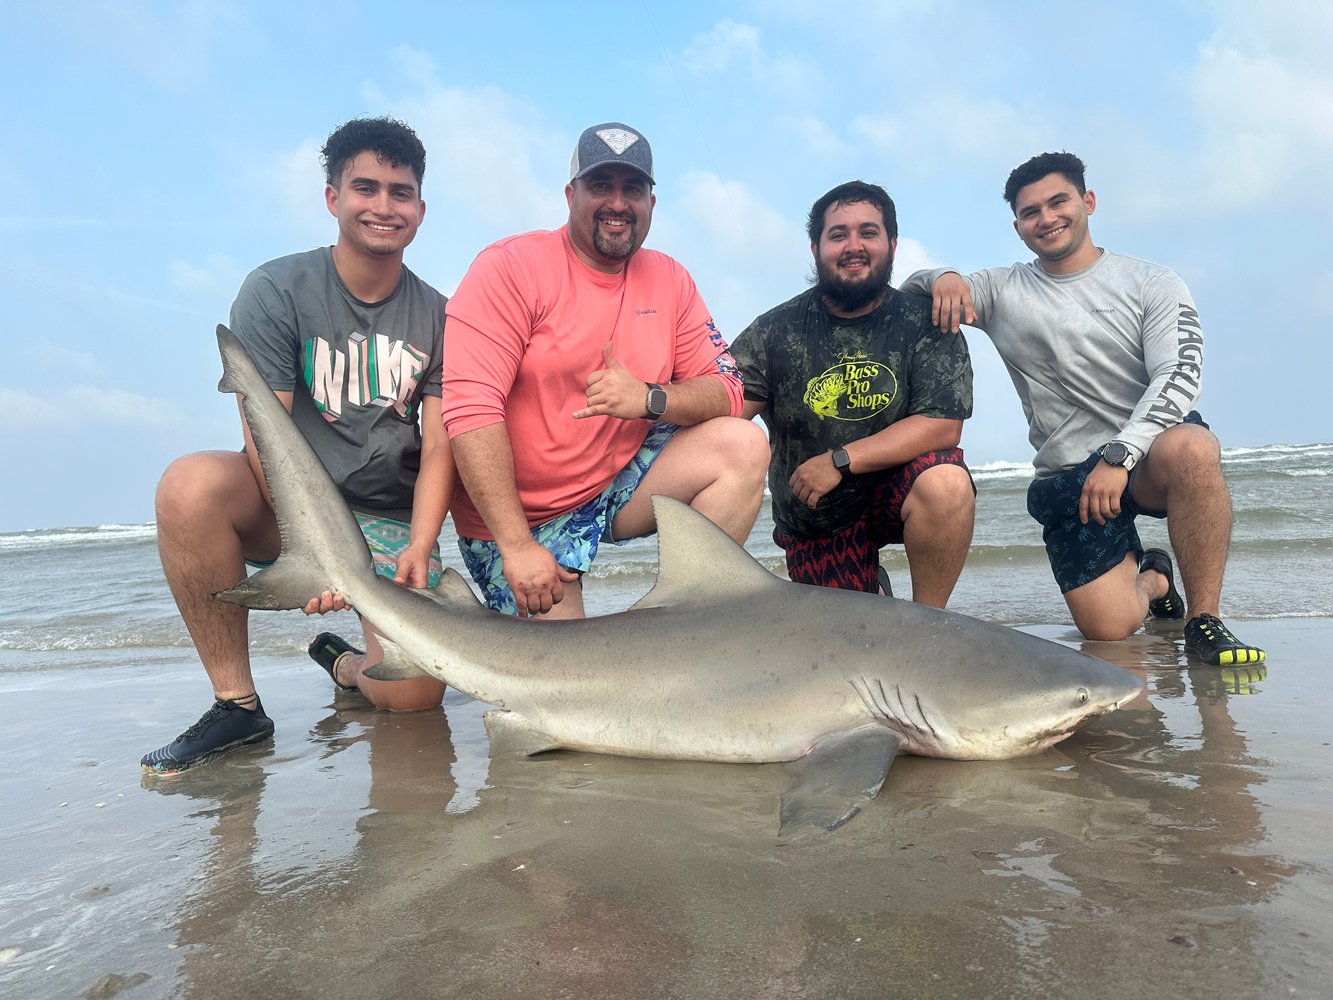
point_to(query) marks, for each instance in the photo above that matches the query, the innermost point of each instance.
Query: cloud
(730, 45)
(494, 167)
(1268, 123)
(744, 254)
(218, 275)
(1258, 122)
(912, 256)
(44, 362)
(982, 130)
(170, 45)
(85, 406)
(813, 137)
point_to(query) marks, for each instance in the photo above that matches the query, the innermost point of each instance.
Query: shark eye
(1082, 696)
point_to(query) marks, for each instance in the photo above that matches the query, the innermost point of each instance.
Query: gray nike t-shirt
(358, 370)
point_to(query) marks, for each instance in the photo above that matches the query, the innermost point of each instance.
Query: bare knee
(943, 492)
(1108, 609)
(742, 446)
(208, 489)
(1188, 448)
(184, 488)
(418, 694)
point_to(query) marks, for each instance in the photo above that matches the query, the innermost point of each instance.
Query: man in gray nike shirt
(1106, 353)
(351, 342)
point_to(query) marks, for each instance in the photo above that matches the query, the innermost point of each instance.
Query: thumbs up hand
(614, 392)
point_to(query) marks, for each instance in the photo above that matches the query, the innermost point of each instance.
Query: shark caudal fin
(698, 562)
(322, 545)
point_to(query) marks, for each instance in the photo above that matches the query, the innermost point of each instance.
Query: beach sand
(1177, 848)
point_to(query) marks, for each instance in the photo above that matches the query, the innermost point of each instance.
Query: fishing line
(708, 149)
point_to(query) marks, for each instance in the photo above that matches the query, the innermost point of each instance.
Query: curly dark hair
(392, 141)
(1067, 165)
(848, 194)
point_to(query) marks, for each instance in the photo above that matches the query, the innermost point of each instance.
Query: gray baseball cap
(611, 142)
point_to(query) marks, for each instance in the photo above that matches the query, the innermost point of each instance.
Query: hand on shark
(413, 572)
(537, 580)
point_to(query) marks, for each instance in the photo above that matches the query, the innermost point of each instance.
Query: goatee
(616, 248)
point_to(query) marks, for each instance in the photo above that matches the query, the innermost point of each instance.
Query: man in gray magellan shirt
(1106, 353)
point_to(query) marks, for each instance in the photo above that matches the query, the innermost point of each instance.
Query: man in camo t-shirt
(864, 403)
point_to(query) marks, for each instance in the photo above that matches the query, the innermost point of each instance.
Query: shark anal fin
(395, 666)
(829, 784)
(510, 732)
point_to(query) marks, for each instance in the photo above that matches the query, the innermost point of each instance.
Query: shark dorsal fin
(698, 562)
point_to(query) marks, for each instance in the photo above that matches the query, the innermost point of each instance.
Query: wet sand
(1179, 847)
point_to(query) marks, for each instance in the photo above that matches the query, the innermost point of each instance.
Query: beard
(616, 247)
(849, 296)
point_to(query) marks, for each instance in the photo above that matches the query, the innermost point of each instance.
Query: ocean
(92, 597)
(366, 853)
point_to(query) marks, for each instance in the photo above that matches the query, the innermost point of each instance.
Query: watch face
(841, 460)
(1115, 453)
(657, 401)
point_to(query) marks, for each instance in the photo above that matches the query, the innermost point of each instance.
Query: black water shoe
(325, 649)
(224, 727)
(1212, 642)
(1169, 605)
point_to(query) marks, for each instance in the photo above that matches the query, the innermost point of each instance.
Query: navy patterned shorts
(849, 560)
(1080, 553)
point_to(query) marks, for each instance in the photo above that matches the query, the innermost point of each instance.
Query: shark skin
(720, 661)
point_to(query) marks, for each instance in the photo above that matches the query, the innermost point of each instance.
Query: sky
(159, 151)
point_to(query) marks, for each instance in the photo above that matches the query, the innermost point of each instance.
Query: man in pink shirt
(583, 375)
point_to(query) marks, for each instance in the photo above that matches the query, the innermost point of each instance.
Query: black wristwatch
(657, 401)
(842, 461)
(1117, 453)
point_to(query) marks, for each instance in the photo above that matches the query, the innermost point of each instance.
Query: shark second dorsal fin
(453, 589)
(698, 562)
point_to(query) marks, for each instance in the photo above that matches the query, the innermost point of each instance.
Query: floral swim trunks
(573, 537)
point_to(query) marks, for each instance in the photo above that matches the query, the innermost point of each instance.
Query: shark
(720, 661)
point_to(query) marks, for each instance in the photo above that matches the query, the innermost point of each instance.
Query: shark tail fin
(311, 561)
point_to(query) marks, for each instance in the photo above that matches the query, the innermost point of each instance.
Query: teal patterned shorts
(386, 538)
(573, 537)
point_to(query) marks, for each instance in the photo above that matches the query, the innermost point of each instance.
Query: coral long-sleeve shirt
(523, 333)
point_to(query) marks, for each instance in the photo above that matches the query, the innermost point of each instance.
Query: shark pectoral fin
(512, 733)
(395, 666)
(829, 784)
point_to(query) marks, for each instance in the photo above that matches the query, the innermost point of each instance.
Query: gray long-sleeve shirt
(1112, 352)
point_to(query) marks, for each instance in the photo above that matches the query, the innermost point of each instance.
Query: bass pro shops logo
(854, 389)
